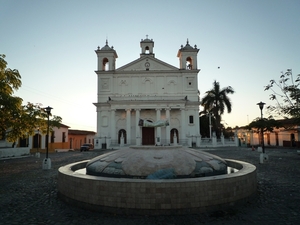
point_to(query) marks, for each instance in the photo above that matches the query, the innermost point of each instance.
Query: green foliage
(286, 94)
(228, 132)
(204, 125)
(267, 124)
(216, 101)
(17, 120)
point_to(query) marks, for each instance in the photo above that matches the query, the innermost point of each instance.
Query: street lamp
(47, 161)
(261, 106)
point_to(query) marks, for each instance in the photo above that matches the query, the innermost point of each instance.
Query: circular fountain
(156, 180)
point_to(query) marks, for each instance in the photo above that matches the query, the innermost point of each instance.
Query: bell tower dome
(106, 58)
(147, 46)
(188, 57)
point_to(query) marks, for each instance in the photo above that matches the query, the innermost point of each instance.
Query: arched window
(172, 133)
(122, 131)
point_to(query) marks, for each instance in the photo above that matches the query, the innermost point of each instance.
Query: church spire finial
(187, 41)
(146, 36)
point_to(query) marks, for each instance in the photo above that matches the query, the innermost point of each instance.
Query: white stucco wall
(14, 152)
(149, 89)
(58, 133)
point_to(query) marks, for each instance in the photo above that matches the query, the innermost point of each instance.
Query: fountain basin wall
(154, 197)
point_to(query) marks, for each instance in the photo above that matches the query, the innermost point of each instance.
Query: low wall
(154, 197)
(14, 152)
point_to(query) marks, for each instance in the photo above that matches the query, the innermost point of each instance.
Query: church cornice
(139, 72)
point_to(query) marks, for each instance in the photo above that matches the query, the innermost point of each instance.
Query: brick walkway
(28, 194)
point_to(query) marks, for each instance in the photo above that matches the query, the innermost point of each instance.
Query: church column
(137, 128)
(98, 140)
(113, 125)
(197, 127)
(183, 125)
(158, 129)
(128, 125)
(168, 127)
(98, 122)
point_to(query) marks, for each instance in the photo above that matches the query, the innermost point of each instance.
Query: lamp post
(47, 161)
(263, 157)
(261, 106)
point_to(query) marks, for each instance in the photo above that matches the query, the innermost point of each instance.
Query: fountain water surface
(156, 180)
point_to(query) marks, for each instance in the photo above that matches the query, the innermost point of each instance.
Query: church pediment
(147, 63)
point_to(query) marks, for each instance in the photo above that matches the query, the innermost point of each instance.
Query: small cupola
(106, 57)
(188, 57)
(147, 46)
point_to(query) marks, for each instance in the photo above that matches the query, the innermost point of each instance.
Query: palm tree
(215, 102)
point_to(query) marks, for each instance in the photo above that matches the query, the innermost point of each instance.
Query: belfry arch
(105, 64)
(189, 63)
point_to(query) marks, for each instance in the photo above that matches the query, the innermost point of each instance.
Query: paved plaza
(28, 194)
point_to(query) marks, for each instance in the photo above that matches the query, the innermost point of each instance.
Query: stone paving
(28, 194)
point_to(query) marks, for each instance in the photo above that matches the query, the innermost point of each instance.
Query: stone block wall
(121, 195)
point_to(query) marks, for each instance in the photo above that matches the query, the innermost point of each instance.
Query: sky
(52, 44)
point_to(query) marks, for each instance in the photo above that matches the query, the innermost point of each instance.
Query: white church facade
(147, 101)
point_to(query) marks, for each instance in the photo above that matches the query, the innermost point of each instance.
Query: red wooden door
(148, 136)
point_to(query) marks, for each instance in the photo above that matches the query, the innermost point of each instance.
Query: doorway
(148, 136)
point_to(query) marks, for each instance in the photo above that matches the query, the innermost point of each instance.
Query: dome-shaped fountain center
(157, 162)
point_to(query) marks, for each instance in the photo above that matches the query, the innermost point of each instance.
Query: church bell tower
(106, 58)
(147, 46)
(188, 57)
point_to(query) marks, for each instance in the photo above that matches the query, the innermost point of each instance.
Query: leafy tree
(228, 132)
(10, 106)
(17, 120)
(204, 125)
(215, 101)
(286, 94)
(267, 124)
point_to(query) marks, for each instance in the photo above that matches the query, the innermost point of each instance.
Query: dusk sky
(52, 44)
